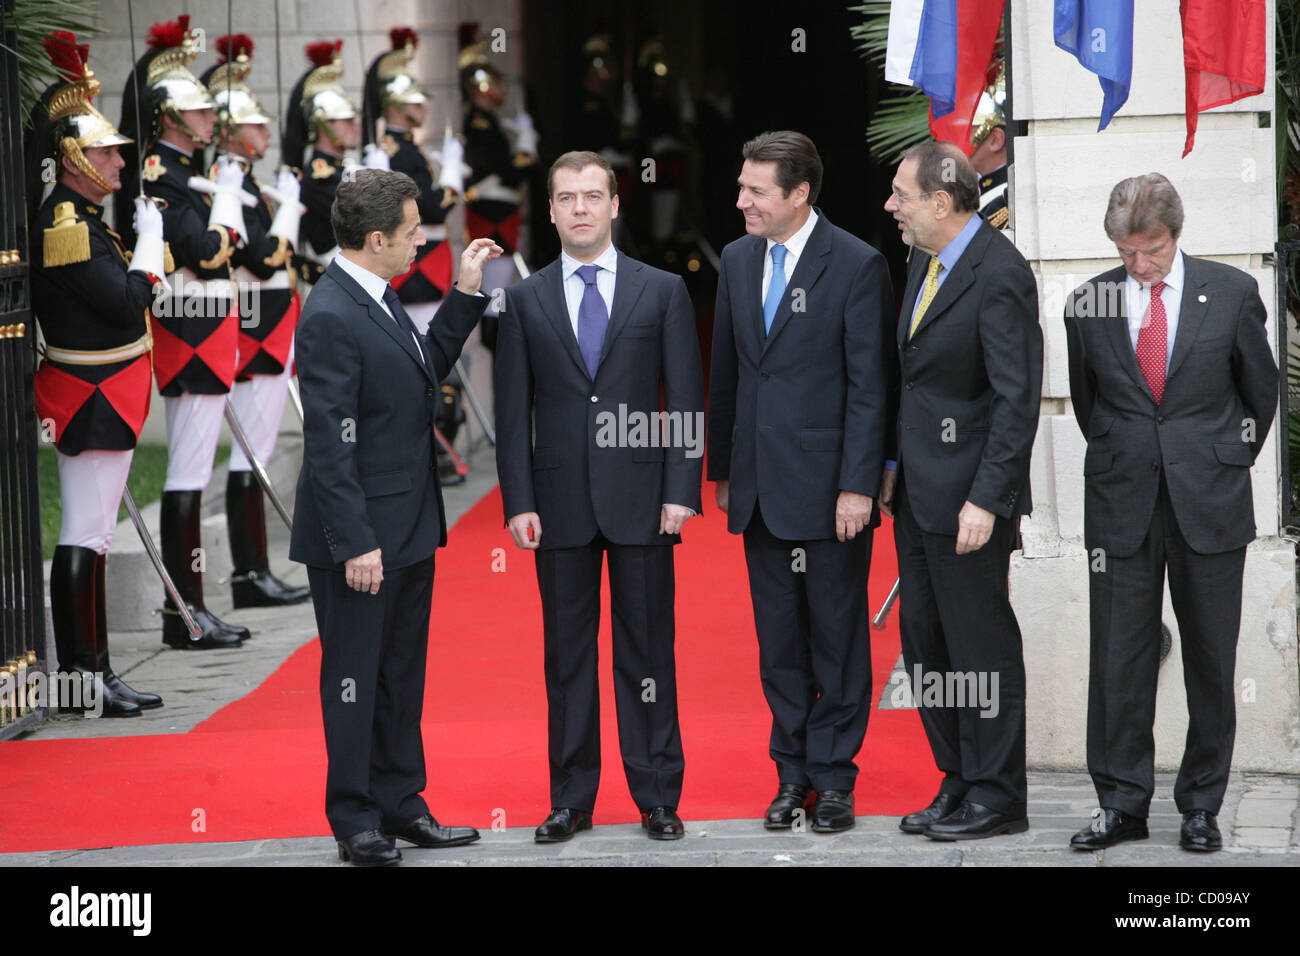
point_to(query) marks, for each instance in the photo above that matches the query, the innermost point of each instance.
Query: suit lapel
(390, 325)
(1192, 310)
(807, 270)
(754, 293)
(629, 280)
(961, 278)
(1116, 324)
(915, 279)
(550, 297)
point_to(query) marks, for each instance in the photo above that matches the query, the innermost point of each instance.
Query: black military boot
(114, 683)
(252, 583)
(72, 606)
(181, 539)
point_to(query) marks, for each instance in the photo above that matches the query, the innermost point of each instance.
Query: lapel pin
(1200, 298)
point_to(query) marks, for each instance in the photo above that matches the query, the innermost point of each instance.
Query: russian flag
(1100, 35)
(924, 52)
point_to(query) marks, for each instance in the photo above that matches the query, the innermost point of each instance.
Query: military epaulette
(153, 168)
(169, 263)
(480, 122)
(389, 145)
(1000, 218)
(321, 169)
(68, 240)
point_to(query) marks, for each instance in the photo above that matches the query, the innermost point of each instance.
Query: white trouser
(90, 488)
(422, 314)
(497, 274)
(193, 428)
(259, 406)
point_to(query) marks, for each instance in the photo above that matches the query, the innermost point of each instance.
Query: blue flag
(934, 64)
(1100, 35)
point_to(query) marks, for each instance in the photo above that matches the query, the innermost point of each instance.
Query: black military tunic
(430, 276)
(88, 301)
(320, 181)
(194, 333)
(488, 152)
(993, 198)
(267, 332)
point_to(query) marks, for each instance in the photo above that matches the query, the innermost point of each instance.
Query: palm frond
(872, 35)
(34, 20)
(902, 118)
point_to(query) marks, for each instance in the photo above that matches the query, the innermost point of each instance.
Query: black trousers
(1126, 596)
(373, 652)
(645, 671)
(959, 630)
(814, 651)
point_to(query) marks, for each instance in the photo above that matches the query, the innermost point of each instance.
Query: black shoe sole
(346, 857)
(562, 837)
(459, 841)
(1197, 848)
(1007, 829)
(914, 827)
(662, 836)
(1110, 843)
(816, 828)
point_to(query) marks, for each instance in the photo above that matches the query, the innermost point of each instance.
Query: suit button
(1155, 466)
(428, 391)
(764, 376)
(911, 385)
(1160, 420)
(594, 399)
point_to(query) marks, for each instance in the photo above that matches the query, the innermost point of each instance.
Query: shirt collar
(1175, 280)
(606, 260)
(950, 253)
(794, 245)
(373, 285)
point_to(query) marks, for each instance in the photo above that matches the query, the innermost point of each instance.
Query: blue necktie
(775, 288)
(593, 319)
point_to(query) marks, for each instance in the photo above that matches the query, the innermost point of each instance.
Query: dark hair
(795, 157)
(943, 167)
(578, 160)
(369, 200)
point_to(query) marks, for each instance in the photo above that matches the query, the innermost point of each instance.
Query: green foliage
(902, 118)
(35, 20)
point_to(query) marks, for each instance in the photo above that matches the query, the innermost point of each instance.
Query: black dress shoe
(970, 821)
(561, 825)
(263, 589)
(122, 689)
(1200, 831)
(1116, 827)
(369, 848)
(429, 833)
(790, 798)
(662, 823)
(940, 807)
(833, 811)
(213, 634)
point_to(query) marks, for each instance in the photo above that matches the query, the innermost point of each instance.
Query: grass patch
(148, 474)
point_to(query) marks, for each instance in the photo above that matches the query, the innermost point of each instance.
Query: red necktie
(1152, 347)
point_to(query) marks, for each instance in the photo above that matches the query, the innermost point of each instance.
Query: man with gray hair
(1174, 385)
(369, 514)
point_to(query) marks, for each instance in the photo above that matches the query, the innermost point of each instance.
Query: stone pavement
(1260, 818)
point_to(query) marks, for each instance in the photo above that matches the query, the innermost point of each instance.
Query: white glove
(148, 256)
(453, 161)
(284, 225)
(288, 185)
(525, 135)
(227, 199)
(374, 157)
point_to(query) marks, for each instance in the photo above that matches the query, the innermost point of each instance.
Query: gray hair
(368, 200)
(1142, 204)
(943, 167)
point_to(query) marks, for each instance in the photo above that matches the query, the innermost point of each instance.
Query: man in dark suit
(1174, 385)
(585, 345)
(798, 429)
(971, 362)
(369, 512)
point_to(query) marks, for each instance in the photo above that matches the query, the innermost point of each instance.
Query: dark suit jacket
(1220, 375)
(571, 475)
(800, 413)
(369, 477)
(971, 378)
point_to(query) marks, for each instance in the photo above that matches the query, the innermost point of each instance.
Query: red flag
(977, 35)
(1224, 54)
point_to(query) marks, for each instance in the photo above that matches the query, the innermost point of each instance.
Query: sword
(152, 550)
(297, 399)
(263, 478)
(878, 622)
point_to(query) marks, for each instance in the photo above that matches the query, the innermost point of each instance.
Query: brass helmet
(991, 110)
(392, 70)
(323, 98)
(74, 125)
(477, 74)
(235, 102)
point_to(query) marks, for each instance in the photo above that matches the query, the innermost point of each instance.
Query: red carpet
(256, 769)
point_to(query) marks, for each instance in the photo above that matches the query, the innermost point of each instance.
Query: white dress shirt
(375, 287)
(574, 286)
(1138, 296)
(793, 250)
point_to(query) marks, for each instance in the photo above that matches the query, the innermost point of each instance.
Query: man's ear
(613, 205)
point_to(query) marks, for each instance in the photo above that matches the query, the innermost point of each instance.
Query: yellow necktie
(927, 294)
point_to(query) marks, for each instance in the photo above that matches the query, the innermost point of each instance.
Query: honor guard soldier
(268, 291)
(196, 328)
(393, 94)
(666, 112)
(91, 298)
(320, 116)
(989, 138)
(492, 190)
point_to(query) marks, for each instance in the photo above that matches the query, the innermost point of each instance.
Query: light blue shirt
(1139, 296)
(574, 286)
(951, 253)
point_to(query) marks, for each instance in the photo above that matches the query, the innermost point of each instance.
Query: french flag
(924, 52)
